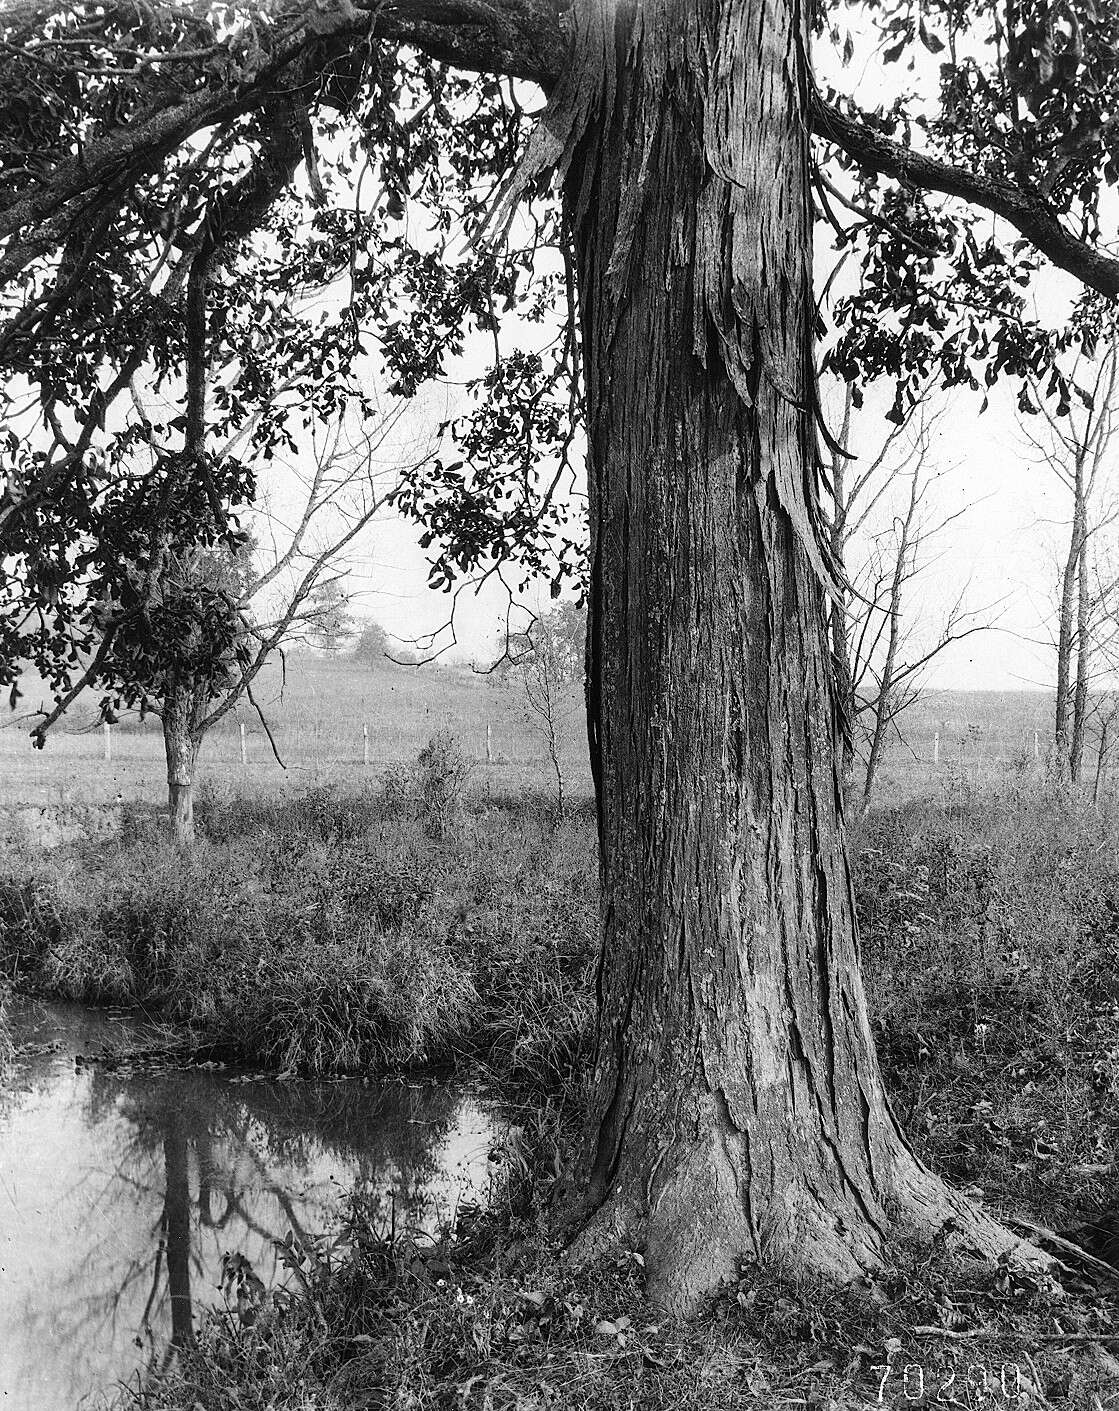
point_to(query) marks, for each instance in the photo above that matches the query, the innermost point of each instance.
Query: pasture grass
(317, 704)
(316, 707)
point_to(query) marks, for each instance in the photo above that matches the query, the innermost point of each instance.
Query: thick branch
(523, 38)
(1026, 212)
(518, 38)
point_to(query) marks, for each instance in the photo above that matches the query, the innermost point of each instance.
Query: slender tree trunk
(551, 688)
(884, 705)
(1083, 652)
(1101, 757)
(737, 1105)
(180, 746)
(882, 711)
(844, 684)
(1066, 632)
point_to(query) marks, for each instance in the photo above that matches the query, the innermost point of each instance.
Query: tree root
(698, 1232)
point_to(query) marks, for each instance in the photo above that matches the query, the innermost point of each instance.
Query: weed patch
(991, 955)
(339, 935)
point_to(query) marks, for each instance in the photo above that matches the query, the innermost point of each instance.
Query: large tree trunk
(180, 745)
(738, 1109)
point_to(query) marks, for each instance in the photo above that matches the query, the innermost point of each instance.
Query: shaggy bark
(839, 610)
(738, 1106)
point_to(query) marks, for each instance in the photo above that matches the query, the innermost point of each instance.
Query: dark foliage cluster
(1018, 97)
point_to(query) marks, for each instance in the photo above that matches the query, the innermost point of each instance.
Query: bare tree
(281, 602)
(883, 545)
(217, 614)
(1108, 716)
(1073, 442)
(546, 661)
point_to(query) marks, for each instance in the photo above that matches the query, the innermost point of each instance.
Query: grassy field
(316, 708)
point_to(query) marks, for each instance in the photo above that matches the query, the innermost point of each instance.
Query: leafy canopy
(286, 198)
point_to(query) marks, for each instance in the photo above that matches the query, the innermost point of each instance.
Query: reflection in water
(120, 1193)
(176, 1229)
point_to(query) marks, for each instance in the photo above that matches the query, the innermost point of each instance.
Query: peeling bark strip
(739, 1110)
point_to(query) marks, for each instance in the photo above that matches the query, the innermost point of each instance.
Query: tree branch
(1025, 211)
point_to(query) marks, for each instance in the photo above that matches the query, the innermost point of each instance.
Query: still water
(121, 1190)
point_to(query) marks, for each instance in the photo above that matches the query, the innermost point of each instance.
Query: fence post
(106, 730)
(244, 756)
(365, 744)
(1037, 746)
(489, 743)
(936, 747)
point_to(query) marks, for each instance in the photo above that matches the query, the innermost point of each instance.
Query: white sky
(1004, 544)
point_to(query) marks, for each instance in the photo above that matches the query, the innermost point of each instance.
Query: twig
(923, 1331)
(929, 251)
(1067, 1245)
(267, 730)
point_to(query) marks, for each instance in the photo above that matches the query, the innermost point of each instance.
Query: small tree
(881, 538)
(213, 617)
(207, 588)
(371, 648)
(545, 662)
(330, 622)
(1073, 443)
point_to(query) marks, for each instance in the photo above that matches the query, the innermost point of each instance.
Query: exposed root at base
(697, 1236)
(931, 1209)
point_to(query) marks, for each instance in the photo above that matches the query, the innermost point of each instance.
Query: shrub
(432, 788)
(323, 812)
